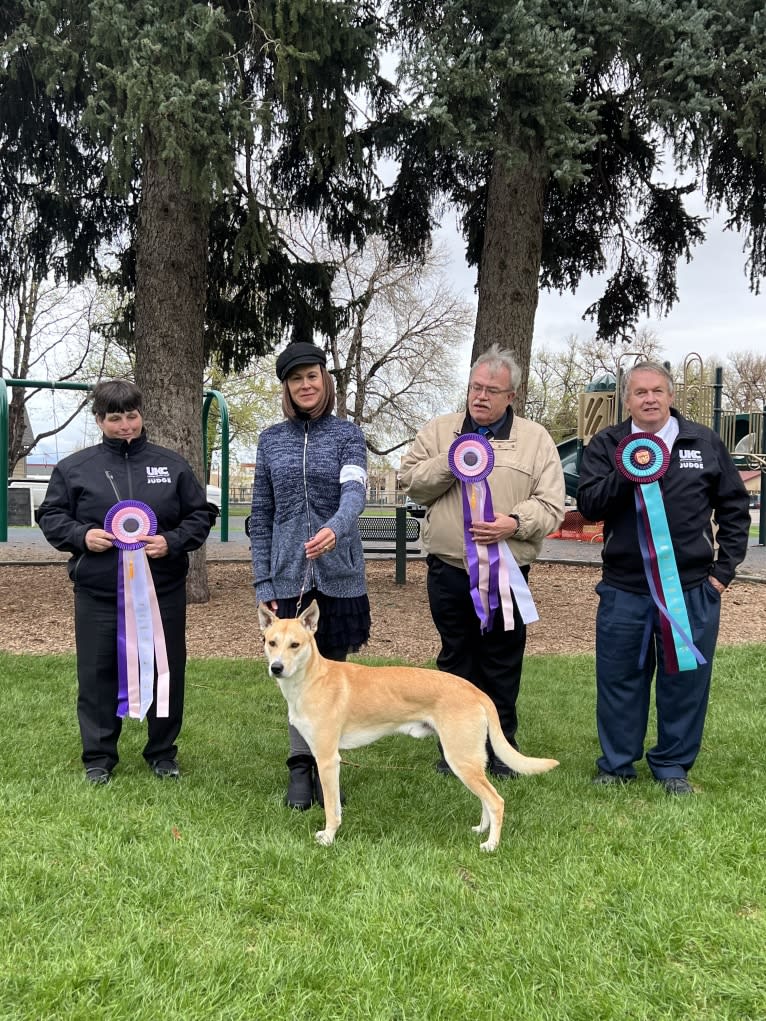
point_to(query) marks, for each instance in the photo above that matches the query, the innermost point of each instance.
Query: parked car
(37, 485)
(214, 496)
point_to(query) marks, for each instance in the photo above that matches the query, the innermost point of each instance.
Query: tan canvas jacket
(527, 480)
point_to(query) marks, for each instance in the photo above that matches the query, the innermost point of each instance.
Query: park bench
(375, 529)
(378, 528)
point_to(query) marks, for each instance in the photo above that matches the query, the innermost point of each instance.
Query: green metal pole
(401, 545)
(46, 384)
(3, 461)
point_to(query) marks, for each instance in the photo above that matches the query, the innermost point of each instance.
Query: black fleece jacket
(701, 481)
(80, 493)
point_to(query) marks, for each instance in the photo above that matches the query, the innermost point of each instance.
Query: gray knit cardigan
(296, 491)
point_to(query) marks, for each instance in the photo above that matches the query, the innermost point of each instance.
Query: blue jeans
(623, 686)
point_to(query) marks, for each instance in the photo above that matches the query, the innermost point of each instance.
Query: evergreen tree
(177, 123)
(547, 125)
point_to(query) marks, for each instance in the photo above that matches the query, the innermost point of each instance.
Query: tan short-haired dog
(347, 705)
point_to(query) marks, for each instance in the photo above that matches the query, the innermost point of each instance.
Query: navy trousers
(493, 660)
(623, 687)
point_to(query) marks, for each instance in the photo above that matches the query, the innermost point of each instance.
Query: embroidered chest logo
(158, 475)
(690, 459)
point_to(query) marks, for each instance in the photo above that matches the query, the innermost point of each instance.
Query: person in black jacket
(633, 636)
(83, 488)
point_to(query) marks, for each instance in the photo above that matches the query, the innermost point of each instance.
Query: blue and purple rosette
(494, 575)
(140, 635)
(643, 458)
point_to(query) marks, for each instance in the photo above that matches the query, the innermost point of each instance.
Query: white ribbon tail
(142, 598)
(512, 580)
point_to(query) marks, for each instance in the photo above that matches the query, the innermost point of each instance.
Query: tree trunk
(171, 274)
(510, 263)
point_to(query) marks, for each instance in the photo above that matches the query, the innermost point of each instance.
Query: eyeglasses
(490, 391)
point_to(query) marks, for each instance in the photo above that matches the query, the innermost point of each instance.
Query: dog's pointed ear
(310, 617)
(265, 617)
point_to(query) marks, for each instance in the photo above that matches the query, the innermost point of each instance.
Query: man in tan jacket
(527, 489)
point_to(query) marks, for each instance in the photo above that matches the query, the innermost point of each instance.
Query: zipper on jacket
(306, 489)
(113, 484)
(130, 477)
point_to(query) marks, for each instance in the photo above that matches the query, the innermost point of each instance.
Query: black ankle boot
(300, 786)
(319, 793)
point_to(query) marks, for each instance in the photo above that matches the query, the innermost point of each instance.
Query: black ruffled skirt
(344, 624)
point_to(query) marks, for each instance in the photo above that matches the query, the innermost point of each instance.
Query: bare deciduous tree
(395, 364)
(48, 332)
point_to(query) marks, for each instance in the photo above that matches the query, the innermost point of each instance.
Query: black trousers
(96, 641)
(493, 660)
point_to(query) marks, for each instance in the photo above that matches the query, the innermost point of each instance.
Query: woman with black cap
(309, 490)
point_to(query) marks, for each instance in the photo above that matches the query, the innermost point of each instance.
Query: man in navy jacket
(701, 486)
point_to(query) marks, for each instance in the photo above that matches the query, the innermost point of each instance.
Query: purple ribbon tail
(122, 650)
(472, 556)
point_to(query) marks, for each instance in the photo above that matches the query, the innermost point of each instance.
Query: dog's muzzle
(277, 668)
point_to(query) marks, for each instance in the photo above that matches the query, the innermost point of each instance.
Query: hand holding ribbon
(492, 569)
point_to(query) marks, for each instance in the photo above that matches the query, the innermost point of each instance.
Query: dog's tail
(505, 751)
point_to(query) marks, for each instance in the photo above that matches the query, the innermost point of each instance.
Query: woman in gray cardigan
(309, 490)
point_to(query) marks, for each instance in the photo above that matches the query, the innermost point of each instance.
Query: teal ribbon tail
(662, 574)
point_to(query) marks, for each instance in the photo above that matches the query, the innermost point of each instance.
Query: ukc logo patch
(690, 459)
(155, 475)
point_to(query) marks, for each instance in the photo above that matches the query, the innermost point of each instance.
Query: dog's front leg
(328, 767)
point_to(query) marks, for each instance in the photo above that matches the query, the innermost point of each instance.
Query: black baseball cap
(299, 353)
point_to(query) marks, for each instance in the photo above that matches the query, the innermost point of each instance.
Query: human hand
(98, 541)
(156, 546)
(323, 542)
(720, 589)
(503, 527)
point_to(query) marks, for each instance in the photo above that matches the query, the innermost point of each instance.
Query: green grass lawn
(207, 899)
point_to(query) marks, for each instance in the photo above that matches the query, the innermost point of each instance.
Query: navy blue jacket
(701, 481)
(80, 494)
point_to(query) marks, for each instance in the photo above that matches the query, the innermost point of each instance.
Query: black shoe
(676, 785)
(443, 767)
(604, 779)
(166, 769)
(97, 775)
(300, 786)
(499, 769)
(318, 792)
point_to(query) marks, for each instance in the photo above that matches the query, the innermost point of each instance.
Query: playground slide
(568, 457)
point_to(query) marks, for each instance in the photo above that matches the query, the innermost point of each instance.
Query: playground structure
(210, 396)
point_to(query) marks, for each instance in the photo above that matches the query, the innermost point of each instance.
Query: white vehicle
(36, 485)
(214, 496)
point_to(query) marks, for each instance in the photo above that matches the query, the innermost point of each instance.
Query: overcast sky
(716, 312)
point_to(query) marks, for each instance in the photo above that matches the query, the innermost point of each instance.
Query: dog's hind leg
(328, 767)
(492, 808)
(465, 751)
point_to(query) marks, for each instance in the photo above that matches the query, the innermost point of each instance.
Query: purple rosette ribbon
(140, 635)
(643, 458)
(494, 575)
